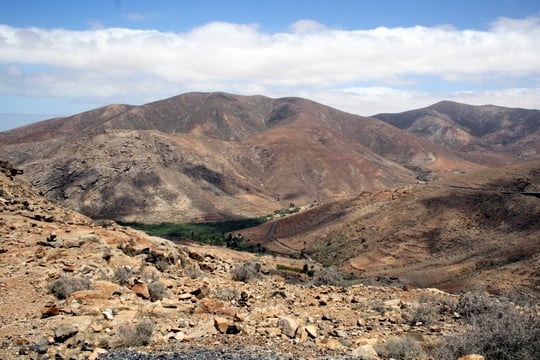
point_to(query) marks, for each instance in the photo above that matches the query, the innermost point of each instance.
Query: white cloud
(311, 60)
(307, 26)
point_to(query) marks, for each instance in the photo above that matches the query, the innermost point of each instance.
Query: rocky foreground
(76, 289)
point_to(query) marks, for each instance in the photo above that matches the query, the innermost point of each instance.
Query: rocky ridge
(73, 289)
(489, 134)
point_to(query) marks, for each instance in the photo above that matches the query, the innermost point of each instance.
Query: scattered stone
(97, 328)
(340, 333)
(50, 309)
(436, 329)
(69, 268)
(327, 317)
(271, 311)
(240, 317)
(108, 314)
(311, 330)
(87, 347)
(288, 326)
(365, 352)
(41, 346)
(64, 332)
(233, 329)
(40, 253)
(141, 290)
(196, 256)
(168, 303)
(332, 344)
(185, 296)
(201, 292)
(221, 324)
(218, 307)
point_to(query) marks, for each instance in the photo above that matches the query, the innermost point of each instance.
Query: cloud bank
(363, 71)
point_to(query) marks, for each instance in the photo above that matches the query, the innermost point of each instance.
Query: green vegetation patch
(207, 233)
(213, 233)
(290, 268)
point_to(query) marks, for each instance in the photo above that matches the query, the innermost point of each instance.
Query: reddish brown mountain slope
(488, 134)
(214, 155)
(466, 231)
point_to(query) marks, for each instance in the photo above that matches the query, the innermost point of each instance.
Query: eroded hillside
(467, 231)
(488, 134)
(74, 288)
(208, 156)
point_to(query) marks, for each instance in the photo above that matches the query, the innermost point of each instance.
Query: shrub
(377, 306)
(192, 271)
(246, 271)
(327, 276)
(227, 294)
(65, 286)
(157, 290)
(429, 308)
(123, 275)
(400, 348)
(426, 313)
(136, 335)
(497, 331)
(471, 305)
(162, 264)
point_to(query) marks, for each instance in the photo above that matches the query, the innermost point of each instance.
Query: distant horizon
(10, 121)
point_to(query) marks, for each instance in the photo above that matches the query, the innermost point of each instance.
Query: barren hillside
(490, 134)
(211, 156)
(74, 288)
(467, 231)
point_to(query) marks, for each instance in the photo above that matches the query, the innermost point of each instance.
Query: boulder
(64, 332)
(221, 324)
(365, 352)
(472, 357)
(41, 346)
(50, 310)
(141, 290)
(288, 326)
(218, 307)
(108, 314)
(196, 256)
(311, 330)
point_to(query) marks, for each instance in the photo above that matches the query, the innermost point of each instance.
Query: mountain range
(214, 155)
(429, 197)
(488, 134)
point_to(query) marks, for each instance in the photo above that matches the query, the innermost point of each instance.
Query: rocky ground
(76, 289)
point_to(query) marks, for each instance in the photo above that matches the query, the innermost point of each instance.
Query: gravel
(204, 354)
(198, 354)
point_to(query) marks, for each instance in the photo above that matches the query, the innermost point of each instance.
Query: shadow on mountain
(501, 212)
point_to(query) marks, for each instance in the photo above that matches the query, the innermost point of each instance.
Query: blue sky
(64, 57)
